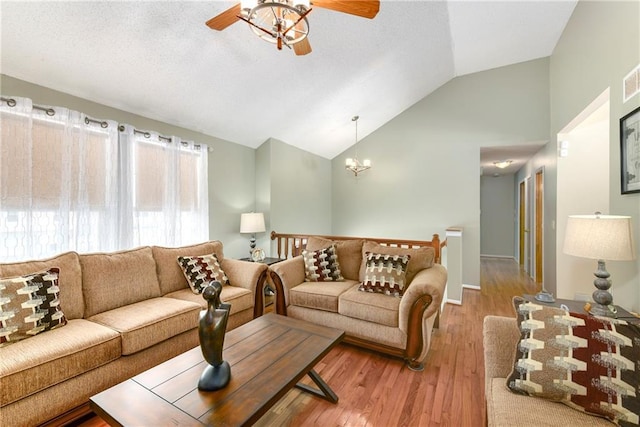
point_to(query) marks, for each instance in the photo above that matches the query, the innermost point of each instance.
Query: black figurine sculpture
(211, 329)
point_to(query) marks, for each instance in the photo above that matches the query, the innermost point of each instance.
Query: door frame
(539, 226)
(522, 223)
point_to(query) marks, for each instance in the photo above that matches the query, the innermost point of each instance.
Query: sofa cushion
(349, 254)
(319, 295)
(170, 275)
(385, 274)
(239, 298)
(48, 359)
(116, 279)
(372, 307)
(421, 258)
(29, 305)
(507, 409)
(322, 265)
(585, 362)
(200, 270)
(149, 322)
(69, 280)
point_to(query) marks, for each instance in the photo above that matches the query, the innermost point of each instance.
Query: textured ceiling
(159, 60)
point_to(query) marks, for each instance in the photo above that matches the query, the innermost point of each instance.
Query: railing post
(454, 265)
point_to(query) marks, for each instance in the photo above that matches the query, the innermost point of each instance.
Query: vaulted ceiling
(159, 60)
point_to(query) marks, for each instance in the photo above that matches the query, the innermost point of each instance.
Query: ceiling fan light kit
(284, 22)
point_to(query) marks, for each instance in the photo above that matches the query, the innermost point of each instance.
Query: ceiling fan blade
(364, 8)
(303, 47)
(226, 18)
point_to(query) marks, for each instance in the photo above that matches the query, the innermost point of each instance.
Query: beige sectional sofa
(507, 409)
(400, 326)
(126, 312)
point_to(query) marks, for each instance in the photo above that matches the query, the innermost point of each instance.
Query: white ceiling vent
(631, 84)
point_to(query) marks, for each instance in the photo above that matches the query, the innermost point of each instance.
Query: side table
(578, 307)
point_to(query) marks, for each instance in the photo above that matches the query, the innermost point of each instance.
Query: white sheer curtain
(164, 191)
(68, 183)
(58, 182)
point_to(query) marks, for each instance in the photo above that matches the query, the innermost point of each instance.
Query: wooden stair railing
(292, 245)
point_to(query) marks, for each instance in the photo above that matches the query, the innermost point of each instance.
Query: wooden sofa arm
(420, 302)
(284, 276)
(500, 336)
(430, 281)
(248, 275)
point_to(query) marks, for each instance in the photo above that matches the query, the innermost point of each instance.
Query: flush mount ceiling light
(284, 22)
(352, 164)
(503, 163)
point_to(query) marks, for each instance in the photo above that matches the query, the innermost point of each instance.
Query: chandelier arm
(296, 23)
(257, 26)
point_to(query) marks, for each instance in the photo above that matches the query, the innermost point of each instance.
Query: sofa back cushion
(69, 280)
(170, 275)
(112, 280)
(349, 254)
(421, 258)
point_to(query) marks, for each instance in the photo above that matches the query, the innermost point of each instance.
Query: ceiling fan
(284, 22)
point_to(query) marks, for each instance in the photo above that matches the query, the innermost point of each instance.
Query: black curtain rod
(146, 134)
(51, 112)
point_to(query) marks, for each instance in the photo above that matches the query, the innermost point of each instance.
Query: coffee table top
(268, 356)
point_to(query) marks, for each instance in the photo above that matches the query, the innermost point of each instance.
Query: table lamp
(252, 223)
(600, 237)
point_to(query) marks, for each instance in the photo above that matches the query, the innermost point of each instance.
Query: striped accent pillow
(385, 274)
(202, 270)
(588, 363)
(29, 305)
(322, 265)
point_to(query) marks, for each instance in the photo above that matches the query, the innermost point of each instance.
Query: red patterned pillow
(202, 270)
(29, 305)
(322, 265)
(385, 274)
(588, 363)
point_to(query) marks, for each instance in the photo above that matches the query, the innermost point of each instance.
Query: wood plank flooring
(377, 390)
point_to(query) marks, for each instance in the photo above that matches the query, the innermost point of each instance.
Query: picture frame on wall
(630, 152)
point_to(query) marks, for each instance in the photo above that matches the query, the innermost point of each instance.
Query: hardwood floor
(378, 390)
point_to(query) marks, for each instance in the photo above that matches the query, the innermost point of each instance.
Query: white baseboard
(497, 256)
(459, 302)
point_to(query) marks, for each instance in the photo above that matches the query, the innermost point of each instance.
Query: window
(67, 183)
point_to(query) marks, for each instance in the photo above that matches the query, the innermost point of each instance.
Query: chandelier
(352, 164)
(282, 22)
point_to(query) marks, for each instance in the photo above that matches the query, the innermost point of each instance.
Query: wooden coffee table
(268, 356)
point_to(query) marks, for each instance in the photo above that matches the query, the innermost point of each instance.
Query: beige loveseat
(127, 312)
(400, 326)
(508, 409)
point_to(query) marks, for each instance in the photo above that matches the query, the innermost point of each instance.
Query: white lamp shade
(605, 237)
(252, 223)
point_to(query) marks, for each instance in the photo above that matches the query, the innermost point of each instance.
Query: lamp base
(602, 310)
(252, 246)
(602, 298)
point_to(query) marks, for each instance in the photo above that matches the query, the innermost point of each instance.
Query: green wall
(426, 161)
(599, 46)
(297, 185)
